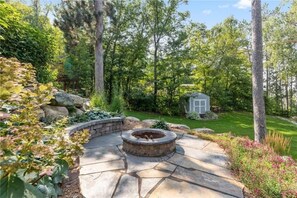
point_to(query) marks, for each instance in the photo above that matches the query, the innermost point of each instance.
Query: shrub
(33, 159)
(117, 104)
(193, 115)
(262, 171)
(95, 114)
(278, 142)
(209, 115)
(160, 125)
(98, 100)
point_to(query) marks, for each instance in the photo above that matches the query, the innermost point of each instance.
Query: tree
(99, 77)
(257, 73)
(162, 18)
(28, 43)
(222, 68)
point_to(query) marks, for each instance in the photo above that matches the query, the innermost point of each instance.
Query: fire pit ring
(149, 142)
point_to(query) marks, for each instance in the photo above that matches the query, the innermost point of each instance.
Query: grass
(239, 123)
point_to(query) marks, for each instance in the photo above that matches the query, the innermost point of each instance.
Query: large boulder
(53, 113)
(67, 100)
(150, 122)
(178, 126)
(132, 119)
(76, 112)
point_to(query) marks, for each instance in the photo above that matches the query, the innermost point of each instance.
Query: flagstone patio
(198, 168)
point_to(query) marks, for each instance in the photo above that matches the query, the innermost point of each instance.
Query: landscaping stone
(192, 163)
(208, 157)
(53, 113)
(112, 139)
(62, 98)
(166, 166)
(101, 154)
(86, 105)
(193, 142)
(147, 184)
(75, 112)
(135, 163)
(213, 147)
(210, 181)
(99, 185)
(180, 189)
(127, 188)
(203, 130)
(132, 119)
(150, 122)
(178, 126)
(153, 173)
(101, 167)
(198, 168)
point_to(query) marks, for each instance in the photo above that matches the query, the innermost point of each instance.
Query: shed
(198, 102)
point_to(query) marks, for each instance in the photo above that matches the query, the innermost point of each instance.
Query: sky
(211, 12)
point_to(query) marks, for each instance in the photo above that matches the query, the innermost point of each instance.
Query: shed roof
(197, 94)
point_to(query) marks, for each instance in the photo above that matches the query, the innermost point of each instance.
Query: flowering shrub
(33, 159)
(263, 171)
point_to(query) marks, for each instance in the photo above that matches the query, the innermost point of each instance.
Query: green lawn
(239, 123)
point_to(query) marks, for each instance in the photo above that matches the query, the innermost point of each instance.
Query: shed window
(199, 106)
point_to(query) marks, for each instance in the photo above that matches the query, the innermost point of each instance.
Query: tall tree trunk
(257, 60)
(99, 77)
(155, 73)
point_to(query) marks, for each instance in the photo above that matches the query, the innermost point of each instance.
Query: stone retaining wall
(98, 127)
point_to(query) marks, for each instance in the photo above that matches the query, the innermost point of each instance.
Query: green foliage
(140, 101)
(161, 124)
(117, 104)
(193, 116)
(98, 100)
(239, 123)
(30, 153)
(278, 142)
(209, 115)
(28, 43)
(94, 114)
(222, 67)
(262, 171)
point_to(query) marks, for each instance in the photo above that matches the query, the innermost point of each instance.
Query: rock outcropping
(63, 104)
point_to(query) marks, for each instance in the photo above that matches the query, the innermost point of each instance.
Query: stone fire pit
(149, 142)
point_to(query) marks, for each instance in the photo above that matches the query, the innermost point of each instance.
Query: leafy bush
(278, 142)
(262, 171)
(160, 125)
(140, 101)
(98, 100)
(32, 157)
(193, 116)
(95, 114)
(209, 115)
(117, 103)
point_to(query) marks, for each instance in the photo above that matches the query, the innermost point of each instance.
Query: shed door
(200, 106)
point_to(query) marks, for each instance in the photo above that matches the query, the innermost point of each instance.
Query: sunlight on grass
(239, 123)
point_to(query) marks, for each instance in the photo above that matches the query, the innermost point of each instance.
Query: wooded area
(153, 54)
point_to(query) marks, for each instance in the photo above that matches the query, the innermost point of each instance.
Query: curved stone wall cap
(79, 126)
(128, 137)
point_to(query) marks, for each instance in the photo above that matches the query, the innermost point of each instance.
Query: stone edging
(98, 127)
(128, 137)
